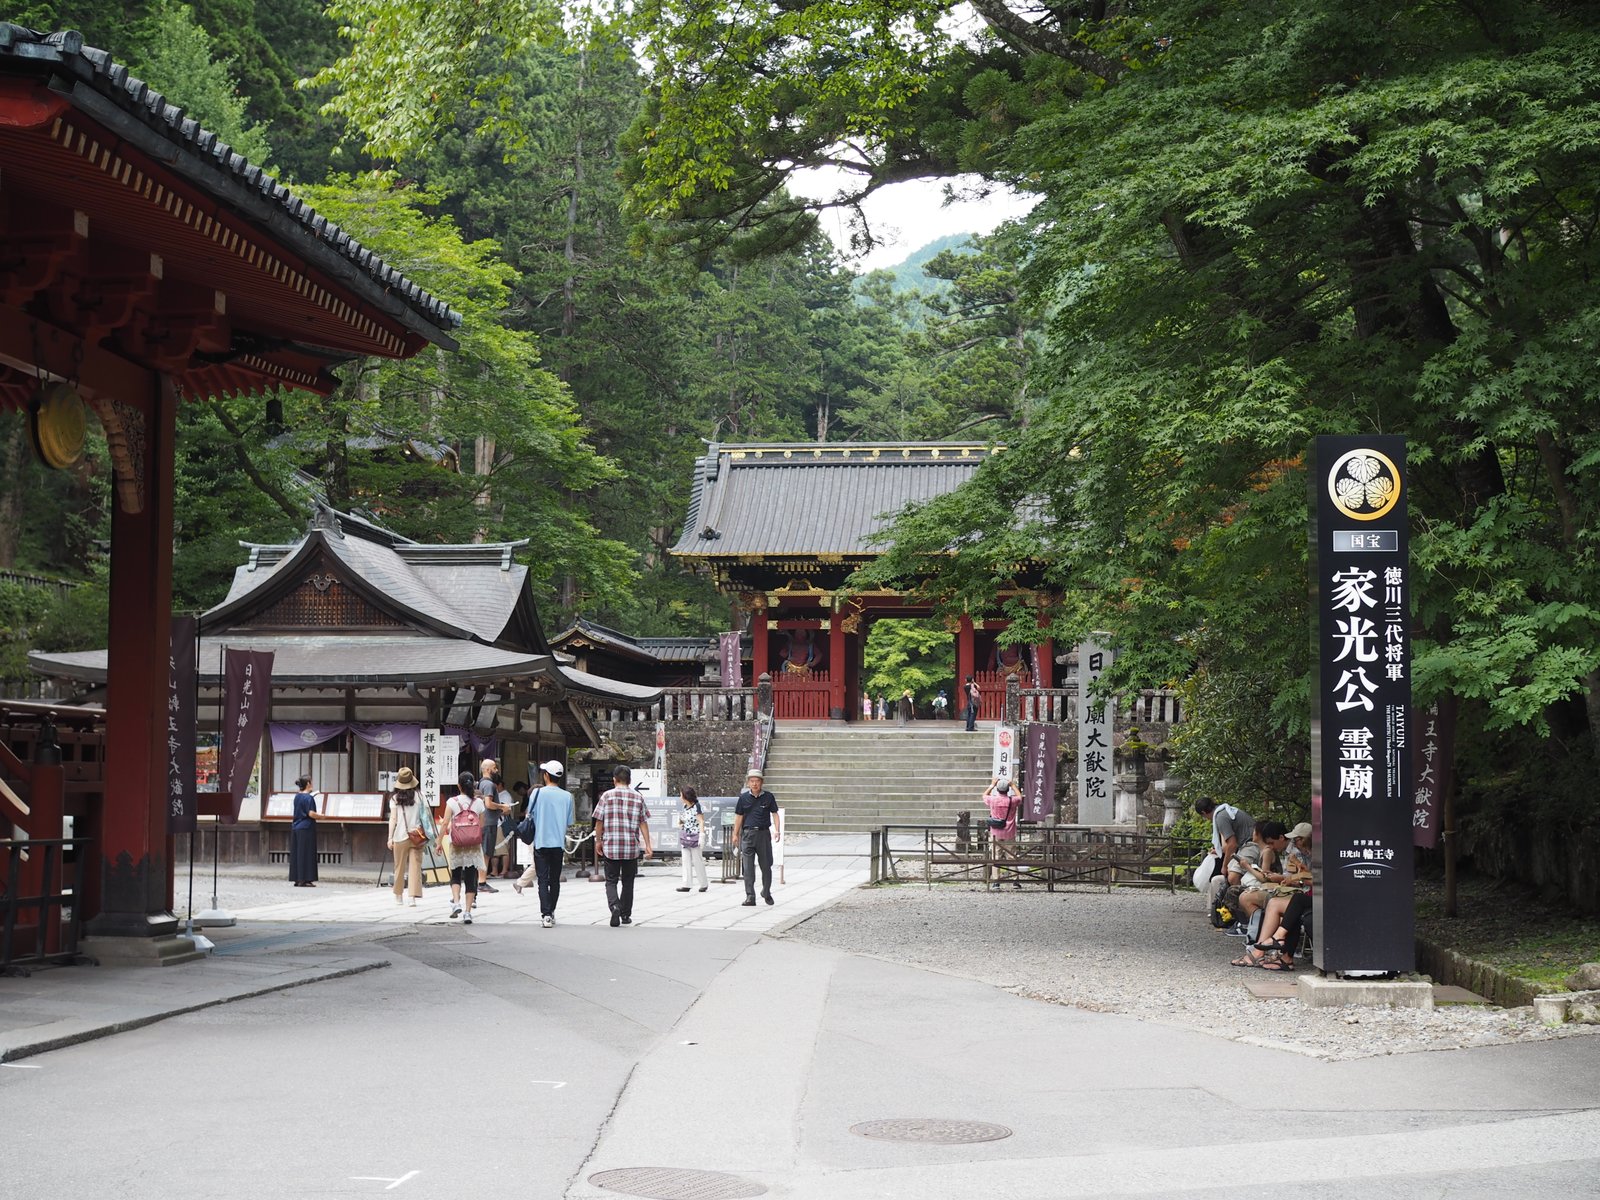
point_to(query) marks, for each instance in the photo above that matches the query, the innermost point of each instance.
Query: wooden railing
(1049, 855)
(801, 698)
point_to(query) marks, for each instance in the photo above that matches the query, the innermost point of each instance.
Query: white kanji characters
(1355, 745)
(1352, 589)
(1357, 689)
(1355, 634)
(1355, 782)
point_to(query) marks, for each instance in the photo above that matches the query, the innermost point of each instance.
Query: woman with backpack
(461, 840)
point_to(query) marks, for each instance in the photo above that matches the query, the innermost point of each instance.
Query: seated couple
(1278, 885)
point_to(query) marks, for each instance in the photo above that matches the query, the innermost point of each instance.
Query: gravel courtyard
(1149, 954)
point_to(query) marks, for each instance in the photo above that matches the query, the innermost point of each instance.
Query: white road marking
(554, 1083)
(23, 1066)
(393, 1183)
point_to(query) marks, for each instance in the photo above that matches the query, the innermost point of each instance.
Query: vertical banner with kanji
(1432, 757)
(1043, 748)
(181, 733)
(1361, 810)
(1004, 763)
(728, 658)
(1095, 797)
(429, 778)
(246, 697)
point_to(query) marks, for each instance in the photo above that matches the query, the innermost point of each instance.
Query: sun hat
(405, 779)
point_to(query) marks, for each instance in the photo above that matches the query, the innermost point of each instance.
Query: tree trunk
(13, 476)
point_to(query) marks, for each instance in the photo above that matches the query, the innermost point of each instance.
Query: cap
(755, 773)
(405, 778)
(1302, 830)
(553, 769)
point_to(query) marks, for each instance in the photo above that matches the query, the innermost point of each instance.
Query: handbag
(414, 833)
(525, 827)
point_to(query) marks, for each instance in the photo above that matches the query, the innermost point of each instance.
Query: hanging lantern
(58, 421)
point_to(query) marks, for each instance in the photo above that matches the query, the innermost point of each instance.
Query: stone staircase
(853, 778)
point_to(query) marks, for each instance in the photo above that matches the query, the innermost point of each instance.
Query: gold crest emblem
(1364, 485)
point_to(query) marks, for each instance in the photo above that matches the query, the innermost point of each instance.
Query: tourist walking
(971, 694)
(866, 706)
(461, 840)
(490, 786)
(303, 835)
(908, 707)
(549, 815)
(407, 833)
(691, 840)
(941, 703)
(754, 822)
(621, 834)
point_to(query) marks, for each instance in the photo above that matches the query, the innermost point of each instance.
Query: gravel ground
(1150, 954)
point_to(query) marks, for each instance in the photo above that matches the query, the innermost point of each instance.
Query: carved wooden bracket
(127, 439)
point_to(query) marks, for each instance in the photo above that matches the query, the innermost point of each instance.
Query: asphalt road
(518, 1061)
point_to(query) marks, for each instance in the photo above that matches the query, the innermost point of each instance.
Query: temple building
(780, 527)
(374, 638)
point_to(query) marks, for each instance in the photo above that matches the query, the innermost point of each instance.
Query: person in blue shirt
(550, 810)
(303, 835)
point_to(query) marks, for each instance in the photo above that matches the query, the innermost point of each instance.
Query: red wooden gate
(797, 697)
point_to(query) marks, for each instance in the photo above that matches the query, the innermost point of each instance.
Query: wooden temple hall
(144, 265)
(780, 527)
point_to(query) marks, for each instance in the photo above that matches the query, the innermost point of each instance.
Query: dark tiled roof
(211, 163)
(807, 499)
(661, 649)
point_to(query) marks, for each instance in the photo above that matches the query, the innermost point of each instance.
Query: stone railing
(1058, 705)
(691, 704)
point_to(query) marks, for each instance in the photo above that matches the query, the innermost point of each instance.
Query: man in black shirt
(754, 818)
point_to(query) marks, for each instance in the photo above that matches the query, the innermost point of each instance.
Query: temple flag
(181, 726)
(728, 657)
(246, 698)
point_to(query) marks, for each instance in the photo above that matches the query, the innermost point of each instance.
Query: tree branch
(270, 490)
(1041, 39)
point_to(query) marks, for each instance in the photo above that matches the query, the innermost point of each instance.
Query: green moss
(1509, 928)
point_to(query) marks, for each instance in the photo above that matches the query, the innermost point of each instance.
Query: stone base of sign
(142, 951)
(214, 918)
(1581, 1008)
(1326, 991)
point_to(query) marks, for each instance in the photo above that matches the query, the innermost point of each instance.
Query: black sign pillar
(1360, 737)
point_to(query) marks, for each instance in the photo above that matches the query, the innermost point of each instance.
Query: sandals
(1262, 957)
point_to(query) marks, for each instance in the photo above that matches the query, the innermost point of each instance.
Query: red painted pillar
(836, 669)
(758, 643)
(1047, 658)
(132, 838)
(964, 655)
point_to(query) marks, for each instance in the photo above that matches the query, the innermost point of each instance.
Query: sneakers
(627, 920)
(548, 922)
(702, 889)
(767, 896)
(397, 898)
(466, 919)
(484, 887)
(517, 887)
(455, 911)
(412, 903)
(750, 903)
(615, 920)
(684, 889)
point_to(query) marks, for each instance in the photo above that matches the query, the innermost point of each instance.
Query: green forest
(1255, 222)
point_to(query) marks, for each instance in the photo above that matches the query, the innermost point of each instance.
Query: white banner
(430, 771)
(1095, 797)
(449, 759)
(1005, 752)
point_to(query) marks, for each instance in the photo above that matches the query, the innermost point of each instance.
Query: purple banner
(303, 735)
(728, 656)
(1043, 752)
(181, 726)
(1432, 759)
(246, 697)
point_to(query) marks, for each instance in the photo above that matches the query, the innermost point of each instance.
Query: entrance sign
(1005, 752)
(1095, 797)
(430, 766)
(1361, 809)
(1044, 748)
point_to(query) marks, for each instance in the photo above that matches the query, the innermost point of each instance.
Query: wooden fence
(1049, 855)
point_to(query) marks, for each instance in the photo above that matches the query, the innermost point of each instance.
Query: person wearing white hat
(550, 811)
(754, 824)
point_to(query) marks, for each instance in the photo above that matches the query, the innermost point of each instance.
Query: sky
(907, 216)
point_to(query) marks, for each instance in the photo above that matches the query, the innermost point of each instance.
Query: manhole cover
(931, 1130)
(676, 1183)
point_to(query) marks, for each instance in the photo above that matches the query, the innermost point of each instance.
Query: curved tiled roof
(218, 167)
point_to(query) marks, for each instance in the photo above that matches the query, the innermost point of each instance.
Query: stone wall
(709, 756)
(1129, 775)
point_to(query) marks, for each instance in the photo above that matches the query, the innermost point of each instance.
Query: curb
(93, 1033)
(1497, 986)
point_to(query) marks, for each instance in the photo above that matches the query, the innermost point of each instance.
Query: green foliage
(181, 60)
(22, 609)
(920, 655)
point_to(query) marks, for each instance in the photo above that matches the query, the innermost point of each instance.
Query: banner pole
(215, 917)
